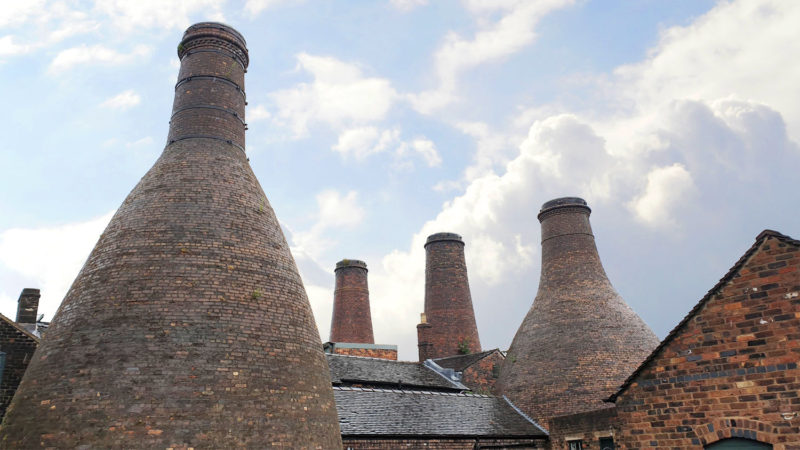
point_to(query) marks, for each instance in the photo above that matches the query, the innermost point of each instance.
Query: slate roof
(19, 327)
(387, 412)
(461, 362)
(764, 235)
(376, 372)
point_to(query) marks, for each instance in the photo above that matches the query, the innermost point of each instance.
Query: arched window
(738, 444)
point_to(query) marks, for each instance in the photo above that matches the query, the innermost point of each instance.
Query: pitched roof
(19, 328)
(763, 236)
(461, 362)
(346, 370)
(386, 412)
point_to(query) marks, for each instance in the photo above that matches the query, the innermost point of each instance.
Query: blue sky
(374, 124)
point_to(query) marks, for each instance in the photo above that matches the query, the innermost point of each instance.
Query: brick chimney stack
(580, 340)
(448, 327)
(28, 305)
(351, 321)
(188, 325)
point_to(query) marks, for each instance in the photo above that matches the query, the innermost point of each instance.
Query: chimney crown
(28, 305)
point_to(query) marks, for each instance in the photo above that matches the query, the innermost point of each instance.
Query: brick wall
(451, 328)
(580, 340)
(588, 427)
(390, 354)
(731, 368)
(439, 444)
(351, 320)
(481, 376)
(19, 347)
(188, 325)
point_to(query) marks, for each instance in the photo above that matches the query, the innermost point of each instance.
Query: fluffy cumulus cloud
(340, 95)
(47, 258)
(698, 135)
(493, 41)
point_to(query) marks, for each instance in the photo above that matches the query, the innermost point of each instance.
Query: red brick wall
(18, 347)
(589, 427)
(439, 444)
(732, 369)
(368, 352)
(481, 376)
(351, 320)
(448, 302)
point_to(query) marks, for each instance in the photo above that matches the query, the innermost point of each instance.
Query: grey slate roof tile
(385, 412)
(350, 370)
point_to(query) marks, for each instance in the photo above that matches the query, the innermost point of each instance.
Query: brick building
(726, 375)
(479, 371)
(448, 325)
(18, 342)
(580, 340)
(201, 334)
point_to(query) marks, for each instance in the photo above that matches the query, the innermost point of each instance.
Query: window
(575, 445)
(606, 443)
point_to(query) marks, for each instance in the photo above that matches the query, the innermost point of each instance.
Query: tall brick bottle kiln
(351, 320)
(580, 340)
(448, 327)
(188, 326)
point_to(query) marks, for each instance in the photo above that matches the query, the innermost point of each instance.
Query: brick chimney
(351, 321)
(28, 306)
(580, 340)
(188, 325)
(448, 327)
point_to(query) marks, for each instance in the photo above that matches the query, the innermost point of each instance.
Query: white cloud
(493, 42)
(17, 13)
(255, 7)
(96, 54)
(408, 5)
(122, 101)
(49, 258)
(335, 211)
(423, 147)
(258, 112)
(362, 142)
(340, 96)
(165, 14)
(738, 47)
(9, 48)
(666, 188)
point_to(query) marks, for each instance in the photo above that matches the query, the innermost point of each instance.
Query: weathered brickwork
(439, 444)
(189, 325)
(351, 320)
(450, 327)
(580, 340)
(730, 369)
(481, 376)
(588, 427)
(390, 354)
(28, 305)
(18, 345)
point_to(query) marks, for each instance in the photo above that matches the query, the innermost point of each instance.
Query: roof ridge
(372, 358)
(412, 391)
(20, 328)
(519, 411)
(763, 236)
(467, 354)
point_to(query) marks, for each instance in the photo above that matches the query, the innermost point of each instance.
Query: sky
(373, 124)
